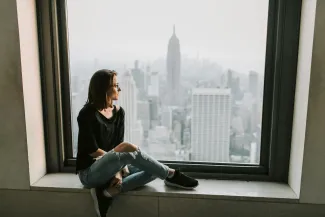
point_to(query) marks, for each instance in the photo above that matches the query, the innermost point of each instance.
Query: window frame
(278, 95)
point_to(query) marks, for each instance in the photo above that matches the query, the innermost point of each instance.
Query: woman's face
(116, 89)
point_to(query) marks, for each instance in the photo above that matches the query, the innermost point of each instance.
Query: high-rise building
(74, 115)
(253, 83)
(177, 133)
(167, 118)
(139, 78)
(153, 88)
(210, 124)
(79, 93)
(223, 81)
(230, 75)
(128, 100)
(159, 145)
(254, 91)
(144, 114)
(137, 133)
(173, 70)
(154, 116)
(254, 117)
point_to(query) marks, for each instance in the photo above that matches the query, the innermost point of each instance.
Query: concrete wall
(22, 150)
(55, 204)
(313, 172)
(13, 148)
(30, 71)
(302, 91)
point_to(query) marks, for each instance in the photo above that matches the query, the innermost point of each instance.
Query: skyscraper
(210, 124)
(167, 118)
(128, 100)
(253, 89)
(79, 93)
(253, 83)
(144, 114)
(139, 78)
(137, 133)
(153, 88)
(173, 70)
(230, 75)
(153, 108)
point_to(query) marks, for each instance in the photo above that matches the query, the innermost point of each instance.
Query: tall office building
(128, 100)
(153, 108)
(210, 124)
(79, 93)
(153, 87)
(167, 118)
(254, 91)
(144, 114)
(140, 80)
(137, 133)
(159, 145)
(253, 83)
(177, 133)
(173, 70)
(230, 75)
(74, 115)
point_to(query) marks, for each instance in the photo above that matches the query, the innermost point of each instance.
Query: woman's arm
(98, 153)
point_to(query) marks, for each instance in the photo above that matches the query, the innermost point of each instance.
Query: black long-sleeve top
(97, 131)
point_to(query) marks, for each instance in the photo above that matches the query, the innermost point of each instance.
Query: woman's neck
(108, 108)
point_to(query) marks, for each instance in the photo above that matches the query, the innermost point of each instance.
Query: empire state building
(173, 70)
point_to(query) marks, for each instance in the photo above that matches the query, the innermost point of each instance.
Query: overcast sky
(230, 32)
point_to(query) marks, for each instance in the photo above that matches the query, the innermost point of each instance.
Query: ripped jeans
(143, 169)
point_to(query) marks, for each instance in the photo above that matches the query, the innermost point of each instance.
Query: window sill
(208, 189)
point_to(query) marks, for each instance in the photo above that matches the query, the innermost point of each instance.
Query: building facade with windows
(211, 120)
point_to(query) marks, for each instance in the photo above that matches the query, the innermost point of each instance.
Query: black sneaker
(181, 180)
(101, 202)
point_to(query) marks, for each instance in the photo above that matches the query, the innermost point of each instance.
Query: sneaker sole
(94, 196)
(179, 186)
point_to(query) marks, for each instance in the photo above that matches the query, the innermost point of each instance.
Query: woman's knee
(126, 147)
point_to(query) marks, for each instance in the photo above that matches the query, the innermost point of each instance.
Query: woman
(104, 158)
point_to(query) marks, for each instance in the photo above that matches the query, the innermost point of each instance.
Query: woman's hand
(98, 154)
(116, 180)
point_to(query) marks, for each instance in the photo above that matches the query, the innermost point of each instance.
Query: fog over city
(191, 72)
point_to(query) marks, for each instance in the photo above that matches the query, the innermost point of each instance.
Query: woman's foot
(101, 202)
(181, 180)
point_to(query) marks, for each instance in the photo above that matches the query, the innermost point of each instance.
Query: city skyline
(178, 107)
(161, 118)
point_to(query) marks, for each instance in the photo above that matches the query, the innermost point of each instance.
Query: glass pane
(191, 72)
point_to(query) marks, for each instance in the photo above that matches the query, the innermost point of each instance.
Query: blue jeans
(143, 169)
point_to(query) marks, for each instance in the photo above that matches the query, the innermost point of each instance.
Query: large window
(203, 82)
(191, 72)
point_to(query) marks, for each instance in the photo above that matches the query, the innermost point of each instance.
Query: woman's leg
(97, 177)
(141, 160)
(103, 170)
(137, 178)
(131, 154)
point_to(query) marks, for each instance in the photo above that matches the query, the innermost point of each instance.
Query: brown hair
(101, 86)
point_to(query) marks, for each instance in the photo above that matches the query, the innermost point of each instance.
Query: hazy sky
(230, 32)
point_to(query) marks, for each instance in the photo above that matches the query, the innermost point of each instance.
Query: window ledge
(208, 189)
